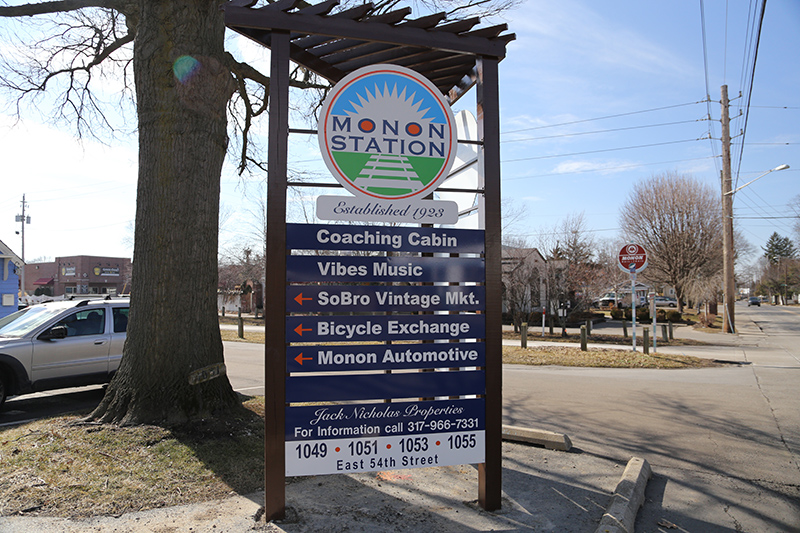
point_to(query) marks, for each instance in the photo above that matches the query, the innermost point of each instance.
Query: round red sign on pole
(632, 258)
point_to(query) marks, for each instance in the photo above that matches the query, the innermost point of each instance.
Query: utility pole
(22, 219)
(729, 287)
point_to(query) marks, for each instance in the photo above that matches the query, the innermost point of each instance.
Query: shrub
(617, 314)
(674, 316)
(707, 320)
(642, 314)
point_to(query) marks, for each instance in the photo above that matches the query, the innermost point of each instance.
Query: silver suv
(61, 344)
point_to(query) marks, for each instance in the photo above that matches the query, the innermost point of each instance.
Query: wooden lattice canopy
(333, 45)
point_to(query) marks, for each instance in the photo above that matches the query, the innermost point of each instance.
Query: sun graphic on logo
(392, 108)
(387, 133)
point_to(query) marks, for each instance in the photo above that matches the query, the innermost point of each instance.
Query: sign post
(633, 259)
(651, 297)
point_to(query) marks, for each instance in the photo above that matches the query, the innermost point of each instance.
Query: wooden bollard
(523, 334)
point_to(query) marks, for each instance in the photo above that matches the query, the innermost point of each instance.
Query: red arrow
(300, 329)
(299, 298)
(300, 359)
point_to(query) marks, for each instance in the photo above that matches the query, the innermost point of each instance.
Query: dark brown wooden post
(490, 472)
(275, 312)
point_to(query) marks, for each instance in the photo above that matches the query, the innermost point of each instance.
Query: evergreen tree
(779, 248)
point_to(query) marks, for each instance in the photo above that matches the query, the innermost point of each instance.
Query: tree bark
(182, 90)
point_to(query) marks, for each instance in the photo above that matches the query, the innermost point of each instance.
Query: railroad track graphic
(388, 171)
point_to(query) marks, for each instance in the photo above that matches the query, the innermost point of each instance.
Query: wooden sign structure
(454, 57)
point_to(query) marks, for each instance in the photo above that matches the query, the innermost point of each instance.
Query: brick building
(79, 274)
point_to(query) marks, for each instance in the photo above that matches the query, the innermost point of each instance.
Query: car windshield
(26, 320)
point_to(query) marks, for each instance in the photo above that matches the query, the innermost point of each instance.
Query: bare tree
(169, 57)
(570, 245)
(678, 221)
(524, 273)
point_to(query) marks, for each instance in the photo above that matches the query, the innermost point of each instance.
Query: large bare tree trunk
(182, 90)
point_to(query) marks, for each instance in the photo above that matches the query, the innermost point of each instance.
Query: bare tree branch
(63, 6)
(83, 45)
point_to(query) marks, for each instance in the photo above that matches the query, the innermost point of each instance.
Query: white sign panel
(343, 456)
(368, 209)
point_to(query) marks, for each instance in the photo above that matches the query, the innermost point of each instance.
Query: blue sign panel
(339, 358)
(349, 298)
(331, 268)
(384, 328)
(383, 238)
(380, 420)
(383, 386)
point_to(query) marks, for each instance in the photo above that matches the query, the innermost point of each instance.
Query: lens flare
(184, 68)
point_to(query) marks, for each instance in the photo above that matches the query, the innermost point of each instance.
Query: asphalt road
(724, 444)
(244, 362)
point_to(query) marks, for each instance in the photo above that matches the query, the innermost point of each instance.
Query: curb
(548, 439)
(620, 515)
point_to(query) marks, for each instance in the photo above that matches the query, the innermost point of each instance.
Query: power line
(603, 131)
(708, 89)
(605, 169)
(603, 118)
(751, 77)
(769, 218)
(770, 144)
(555, 233)
(599, 151)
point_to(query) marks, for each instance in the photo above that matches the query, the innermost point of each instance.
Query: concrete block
(549, 439)
(620, 515)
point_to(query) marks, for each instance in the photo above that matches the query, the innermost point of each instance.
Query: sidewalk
(721, 346)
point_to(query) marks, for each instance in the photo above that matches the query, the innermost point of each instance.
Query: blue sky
(632, 70)
(583, 60)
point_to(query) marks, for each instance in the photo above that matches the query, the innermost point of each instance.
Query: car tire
(3, 389)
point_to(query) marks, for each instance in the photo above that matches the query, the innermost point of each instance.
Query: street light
(728, 285)
(781, 167)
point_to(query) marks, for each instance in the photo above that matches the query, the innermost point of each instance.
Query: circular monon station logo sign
(386, 132)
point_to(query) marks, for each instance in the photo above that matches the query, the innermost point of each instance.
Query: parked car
(666, 301)
(603, 302)
(607, 300)
(61, 344)
(754, 300)
(625, 302)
